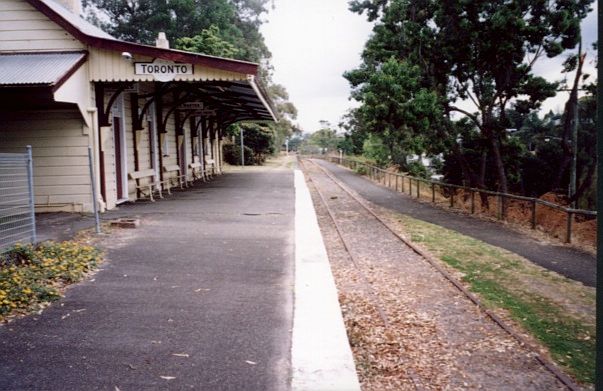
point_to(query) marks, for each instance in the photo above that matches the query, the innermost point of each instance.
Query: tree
(258, 138)
(481, 51)
(207, 42)
(285, 112)
(397, 108)
(141, 21)
(355, 131)
(325, 138)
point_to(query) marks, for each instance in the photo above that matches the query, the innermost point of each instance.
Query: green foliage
(32, 274)
(259, 139)
(503, 280)
(417, 169)
(396, 108)
(207, 42)
(232, 155)
(238, 21)
(295, 142)
(355, 132)
(375, 150)
(325, 138)
(480, 51)
(286, 113)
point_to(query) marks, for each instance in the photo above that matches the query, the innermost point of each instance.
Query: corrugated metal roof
(36, 68)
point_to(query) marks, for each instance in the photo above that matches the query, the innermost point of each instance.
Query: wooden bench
(198, 172)
(180, 177)
(150, 174)
(211, 163)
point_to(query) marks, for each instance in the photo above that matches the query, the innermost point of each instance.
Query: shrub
(232, 155)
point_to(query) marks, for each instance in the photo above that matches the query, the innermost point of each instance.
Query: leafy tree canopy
(479, 51)
(208, 42)
(140, 21)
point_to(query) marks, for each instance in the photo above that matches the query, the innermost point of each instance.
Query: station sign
(163, 70)
(191, 106)
(208, 113)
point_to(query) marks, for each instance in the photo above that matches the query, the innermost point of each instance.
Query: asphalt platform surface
(198, 297)
(572, 263)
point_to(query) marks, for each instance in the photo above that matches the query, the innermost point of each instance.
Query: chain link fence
(17, 217)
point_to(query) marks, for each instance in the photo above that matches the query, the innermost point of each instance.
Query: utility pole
(242, 149)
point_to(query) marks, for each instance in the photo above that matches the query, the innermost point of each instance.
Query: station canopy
(225, 86)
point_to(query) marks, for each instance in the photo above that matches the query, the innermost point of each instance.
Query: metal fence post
(94, 195)
(472, 202)
(452, 198)
(30, 185)
(433, 192)
(418, 189)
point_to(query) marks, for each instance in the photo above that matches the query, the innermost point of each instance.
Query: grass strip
(558, 312)
(31, 275)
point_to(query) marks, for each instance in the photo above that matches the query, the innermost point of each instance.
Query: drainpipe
(93, 112)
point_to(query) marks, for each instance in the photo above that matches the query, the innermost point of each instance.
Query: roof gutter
(260, 95)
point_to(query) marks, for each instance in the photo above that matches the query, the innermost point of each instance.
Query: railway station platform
(224, 286)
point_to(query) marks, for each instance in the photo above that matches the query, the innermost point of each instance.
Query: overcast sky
(314, 41)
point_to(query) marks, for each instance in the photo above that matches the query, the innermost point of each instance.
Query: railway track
(320, 174)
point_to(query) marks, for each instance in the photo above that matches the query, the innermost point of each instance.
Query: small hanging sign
(191, 106)
(163, 70)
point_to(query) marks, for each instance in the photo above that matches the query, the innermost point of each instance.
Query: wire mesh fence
(17, 218)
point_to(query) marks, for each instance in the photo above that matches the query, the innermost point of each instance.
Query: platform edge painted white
(321, 358)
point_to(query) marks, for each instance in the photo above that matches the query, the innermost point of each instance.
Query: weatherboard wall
(59, 141)
(23, 28)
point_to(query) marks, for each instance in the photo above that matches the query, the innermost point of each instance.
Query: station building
(154, 117)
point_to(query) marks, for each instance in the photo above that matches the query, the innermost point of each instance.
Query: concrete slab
(321, 358)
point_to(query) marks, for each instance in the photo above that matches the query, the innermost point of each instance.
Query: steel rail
(563, 378)
(368, 288)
